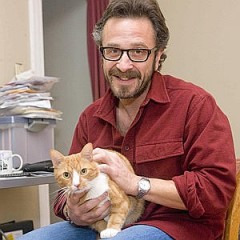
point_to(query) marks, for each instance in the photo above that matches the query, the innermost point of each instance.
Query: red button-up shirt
(181, 134)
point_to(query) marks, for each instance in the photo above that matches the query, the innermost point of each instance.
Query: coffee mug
(6, 161)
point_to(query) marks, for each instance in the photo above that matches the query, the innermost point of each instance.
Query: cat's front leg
(99, 225)
(116, 221)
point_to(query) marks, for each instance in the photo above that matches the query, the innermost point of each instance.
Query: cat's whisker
(60, 193)
(55, 192)
(60, 199)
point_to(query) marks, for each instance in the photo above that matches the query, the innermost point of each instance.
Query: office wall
(14, 38)
(204, 49)
(65, 49)
(16, 203)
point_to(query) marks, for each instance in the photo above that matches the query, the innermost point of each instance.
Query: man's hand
(84, 214)
(115, 167)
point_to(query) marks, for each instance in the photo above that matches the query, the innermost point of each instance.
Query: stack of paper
(28, 96)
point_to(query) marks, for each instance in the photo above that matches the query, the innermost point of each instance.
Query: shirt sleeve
(209, 163)
(59, 203)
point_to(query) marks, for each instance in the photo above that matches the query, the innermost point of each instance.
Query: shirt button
(126, 147)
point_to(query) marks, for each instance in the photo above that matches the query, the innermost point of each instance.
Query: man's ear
(158, 59)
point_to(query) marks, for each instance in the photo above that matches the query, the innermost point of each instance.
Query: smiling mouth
(124, 78)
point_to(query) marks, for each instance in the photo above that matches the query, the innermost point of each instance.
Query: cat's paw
(109, 232)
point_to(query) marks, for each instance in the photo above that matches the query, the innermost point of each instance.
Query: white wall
(204, 48)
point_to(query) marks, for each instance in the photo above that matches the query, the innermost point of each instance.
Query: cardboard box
(31, 138)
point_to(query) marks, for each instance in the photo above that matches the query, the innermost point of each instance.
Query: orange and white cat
(78, 172)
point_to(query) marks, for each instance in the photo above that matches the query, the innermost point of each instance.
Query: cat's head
(75, 171)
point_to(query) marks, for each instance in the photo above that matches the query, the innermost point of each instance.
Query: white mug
(6, 161)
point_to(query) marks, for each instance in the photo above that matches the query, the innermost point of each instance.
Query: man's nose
(124, 63)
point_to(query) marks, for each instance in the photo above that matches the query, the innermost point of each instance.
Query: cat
(78, 172)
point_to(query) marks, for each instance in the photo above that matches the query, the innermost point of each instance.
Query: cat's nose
(76, 185)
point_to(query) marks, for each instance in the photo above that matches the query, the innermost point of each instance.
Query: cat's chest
(98, 186)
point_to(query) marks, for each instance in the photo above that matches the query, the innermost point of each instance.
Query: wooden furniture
(233, 216)
(42, 182)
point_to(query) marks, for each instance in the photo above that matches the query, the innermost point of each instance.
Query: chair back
(231, 231)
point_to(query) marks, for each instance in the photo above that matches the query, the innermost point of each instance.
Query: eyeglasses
(135, 55)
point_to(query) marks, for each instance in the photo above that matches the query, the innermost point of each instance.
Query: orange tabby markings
(78, 172)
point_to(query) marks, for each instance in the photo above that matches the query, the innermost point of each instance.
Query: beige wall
(204, 49)
(16, 203)
(14, 37)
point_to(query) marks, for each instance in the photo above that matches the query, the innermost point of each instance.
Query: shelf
(26, 181)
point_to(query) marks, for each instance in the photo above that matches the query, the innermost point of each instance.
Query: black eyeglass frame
(149, 51)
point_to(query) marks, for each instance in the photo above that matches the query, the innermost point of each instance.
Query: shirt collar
(157, 91)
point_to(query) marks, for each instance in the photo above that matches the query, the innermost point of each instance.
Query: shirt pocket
(162, 159)
(158, 151)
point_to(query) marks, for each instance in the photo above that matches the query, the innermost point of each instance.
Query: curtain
(95, 9)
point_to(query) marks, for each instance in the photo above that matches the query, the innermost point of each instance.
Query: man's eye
(115, 50)
(138, 52)
(66, 175)
(112, 51)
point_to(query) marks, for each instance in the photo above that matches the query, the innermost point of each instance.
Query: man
(173, 133)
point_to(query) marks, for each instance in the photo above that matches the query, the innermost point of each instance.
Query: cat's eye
(66, 175)
(84, 171)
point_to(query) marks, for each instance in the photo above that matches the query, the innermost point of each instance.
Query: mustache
(128, 74)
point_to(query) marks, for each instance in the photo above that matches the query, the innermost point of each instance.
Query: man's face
(126, 78)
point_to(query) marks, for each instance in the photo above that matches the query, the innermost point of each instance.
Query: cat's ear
(56, 157)
(87, 151)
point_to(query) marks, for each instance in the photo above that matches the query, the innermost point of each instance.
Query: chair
(233, 217)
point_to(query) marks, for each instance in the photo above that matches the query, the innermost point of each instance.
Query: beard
(125, 92)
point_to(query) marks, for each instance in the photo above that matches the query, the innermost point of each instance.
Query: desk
(42, 182)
